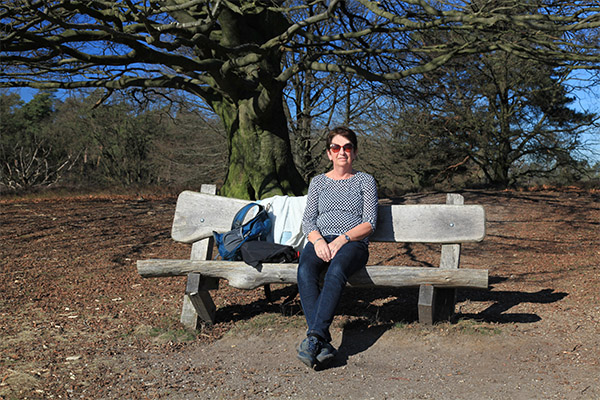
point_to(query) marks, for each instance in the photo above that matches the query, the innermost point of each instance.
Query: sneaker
(326, 354)
(308, 350)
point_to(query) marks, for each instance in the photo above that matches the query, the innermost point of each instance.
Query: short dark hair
(345, 132)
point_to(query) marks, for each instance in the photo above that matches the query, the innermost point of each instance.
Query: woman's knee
(306, 274)
(354, 253)
(346, 263)
(308, 266)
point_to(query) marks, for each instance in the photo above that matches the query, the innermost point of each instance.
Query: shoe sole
(325, 360)
(307, 360)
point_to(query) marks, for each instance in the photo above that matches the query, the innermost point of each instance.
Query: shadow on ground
(384, 307)
(504, 300)
(357, 337)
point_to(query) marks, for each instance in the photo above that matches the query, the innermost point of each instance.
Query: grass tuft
(267, 322)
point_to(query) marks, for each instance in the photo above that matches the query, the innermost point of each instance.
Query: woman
(341, 212)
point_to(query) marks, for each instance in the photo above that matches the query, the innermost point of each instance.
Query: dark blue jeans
(319, 304)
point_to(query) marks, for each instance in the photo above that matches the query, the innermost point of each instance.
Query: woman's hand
(336, 244)
(322, 250)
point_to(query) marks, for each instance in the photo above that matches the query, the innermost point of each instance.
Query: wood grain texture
(244, 276)
(197, 215)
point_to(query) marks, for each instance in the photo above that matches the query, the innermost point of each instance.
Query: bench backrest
(197, 215)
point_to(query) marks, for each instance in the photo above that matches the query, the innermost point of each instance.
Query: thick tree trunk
(249, 100)
(260, 157)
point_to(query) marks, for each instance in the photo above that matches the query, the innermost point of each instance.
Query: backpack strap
(238, 220)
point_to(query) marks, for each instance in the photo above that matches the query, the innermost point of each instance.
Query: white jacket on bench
(286, 214)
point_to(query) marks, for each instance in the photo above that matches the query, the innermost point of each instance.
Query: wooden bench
(197, 215)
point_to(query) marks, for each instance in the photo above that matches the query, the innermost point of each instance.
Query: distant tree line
(83, 141)
(444, 139)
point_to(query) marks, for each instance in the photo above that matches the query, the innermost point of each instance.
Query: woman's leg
(349, 259)
(309, 270)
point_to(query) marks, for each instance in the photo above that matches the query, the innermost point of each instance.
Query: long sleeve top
(333, 207)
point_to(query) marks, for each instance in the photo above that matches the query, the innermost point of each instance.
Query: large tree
(505, 117)
(230, 53)
(511, 119)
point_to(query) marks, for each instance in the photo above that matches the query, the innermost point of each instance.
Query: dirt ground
(77, 321)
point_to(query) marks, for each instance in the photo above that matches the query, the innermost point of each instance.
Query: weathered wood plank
(450, 257)
(426, 304)
(197, 215)
(430, 223)
(243, 276)
(197, 304)
(204, 307)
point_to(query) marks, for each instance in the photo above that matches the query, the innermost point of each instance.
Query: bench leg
(198, 305)
(436, 304)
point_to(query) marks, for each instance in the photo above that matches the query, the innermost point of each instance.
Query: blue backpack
(257, 228)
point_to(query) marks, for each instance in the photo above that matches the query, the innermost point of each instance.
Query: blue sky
(589, 100)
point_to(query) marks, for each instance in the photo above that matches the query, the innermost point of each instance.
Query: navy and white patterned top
(333, 207)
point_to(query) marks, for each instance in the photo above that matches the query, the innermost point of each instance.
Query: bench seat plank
(197, 215)
(243, 276)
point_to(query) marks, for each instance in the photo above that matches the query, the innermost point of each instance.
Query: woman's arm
(311, 210)
(359, 232)
(370, 201)
(309, 222)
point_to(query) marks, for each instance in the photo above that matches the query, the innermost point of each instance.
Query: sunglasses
(336, 147)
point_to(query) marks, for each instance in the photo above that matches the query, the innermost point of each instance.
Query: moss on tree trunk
(260, 157)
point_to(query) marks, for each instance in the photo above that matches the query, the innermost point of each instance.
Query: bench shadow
(503, 301)
(359, 335)
(270, 301)
(387, 306)
(379, 309)
(400, 305)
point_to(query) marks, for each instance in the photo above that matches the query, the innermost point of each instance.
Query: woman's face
(344, 155)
